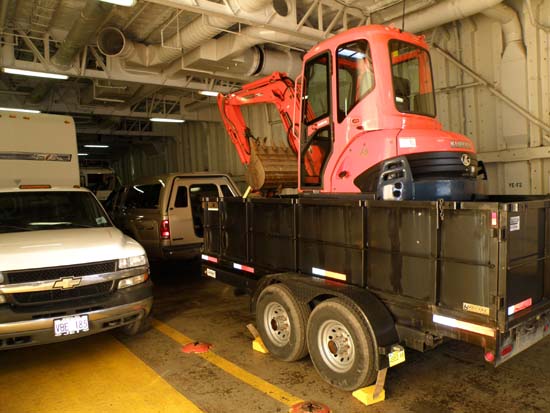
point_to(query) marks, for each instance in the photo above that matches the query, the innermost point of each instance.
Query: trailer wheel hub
(336, 345)
(277, 324)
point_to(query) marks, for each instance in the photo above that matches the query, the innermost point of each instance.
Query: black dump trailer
(349, 279)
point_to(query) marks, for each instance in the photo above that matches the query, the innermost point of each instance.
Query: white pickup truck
(65, 270)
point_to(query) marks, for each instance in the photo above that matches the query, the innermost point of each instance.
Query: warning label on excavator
(407, 142)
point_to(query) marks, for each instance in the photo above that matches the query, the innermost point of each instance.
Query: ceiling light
(20, 110)
(209, 93)
(167, 120)
(34, 74)
(96, 146)
(125, 3)
(82, 154)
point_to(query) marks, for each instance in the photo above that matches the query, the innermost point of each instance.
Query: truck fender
(309, 289)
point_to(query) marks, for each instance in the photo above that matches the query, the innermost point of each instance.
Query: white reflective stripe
(330, 274)
(204, 257)
(463, 325)
(520, 306)
(237, 266)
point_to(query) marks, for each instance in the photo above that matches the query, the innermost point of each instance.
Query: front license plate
(397, 355)
(70, 325)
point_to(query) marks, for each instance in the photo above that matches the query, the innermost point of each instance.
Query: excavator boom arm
(277, 89)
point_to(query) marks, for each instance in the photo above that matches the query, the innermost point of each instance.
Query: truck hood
(51, 248)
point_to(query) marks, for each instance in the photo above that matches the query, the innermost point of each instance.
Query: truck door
(316, 136)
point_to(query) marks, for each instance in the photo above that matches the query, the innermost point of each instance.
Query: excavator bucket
(271, 167)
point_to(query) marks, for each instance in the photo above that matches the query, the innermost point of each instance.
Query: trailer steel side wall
(442, 269)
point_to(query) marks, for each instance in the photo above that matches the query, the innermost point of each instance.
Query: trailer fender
(311, 289)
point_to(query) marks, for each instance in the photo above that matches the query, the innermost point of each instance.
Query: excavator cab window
(316, 142)
(412, 79)
(355, 75)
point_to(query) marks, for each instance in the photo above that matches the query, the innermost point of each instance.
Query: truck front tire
(340, 345)
(282, 322)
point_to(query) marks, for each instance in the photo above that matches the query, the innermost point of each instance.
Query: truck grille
(43, 274)
(41, 297)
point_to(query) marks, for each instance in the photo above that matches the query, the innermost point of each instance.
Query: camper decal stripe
(35, 156)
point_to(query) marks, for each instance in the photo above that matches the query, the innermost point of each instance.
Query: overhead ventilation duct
(233, 53)
(511, 27)
(441, 13)
(91, 17)
(112, 42)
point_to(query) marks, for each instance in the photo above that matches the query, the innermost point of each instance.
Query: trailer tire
(341, 345)
(282, 322)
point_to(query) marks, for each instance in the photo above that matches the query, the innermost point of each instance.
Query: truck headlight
(131, 281)
(130, 262)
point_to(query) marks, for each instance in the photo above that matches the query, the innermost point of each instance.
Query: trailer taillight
(165, 229)
(489, 357)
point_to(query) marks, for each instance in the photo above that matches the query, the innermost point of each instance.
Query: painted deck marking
(258, 383)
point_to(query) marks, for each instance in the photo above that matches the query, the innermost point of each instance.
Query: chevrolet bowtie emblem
(67, 283)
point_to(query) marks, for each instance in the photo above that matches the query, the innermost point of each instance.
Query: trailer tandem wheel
(341, 345)
(282, 322)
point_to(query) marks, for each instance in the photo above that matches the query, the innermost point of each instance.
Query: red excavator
(360, 118)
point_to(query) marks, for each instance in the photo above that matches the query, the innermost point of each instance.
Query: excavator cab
(368, 121)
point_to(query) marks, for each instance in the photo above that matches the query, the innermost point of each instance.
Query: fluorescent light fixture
(167, 120)
(82, 154)
(96, 146)
(125, 3)
(209, 93)
(20, 110)
(34, 74)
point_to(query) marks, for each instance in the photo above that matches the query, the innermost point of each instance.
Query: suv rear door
(185, 208)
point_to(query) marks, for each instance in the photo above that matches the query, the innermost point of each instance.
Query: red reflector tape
(243, 267)
(463, 325)
(520, 306)
(329, 274)
(209, 258)
(494, 221)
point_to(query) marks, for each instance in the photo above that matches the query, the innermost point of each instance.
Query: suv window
(197, 192)
(226, 191)
(143, 196)
(181, 198)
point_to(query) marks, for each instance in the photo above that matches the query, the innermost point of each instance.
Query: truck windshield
(412, 79)
(35, 211)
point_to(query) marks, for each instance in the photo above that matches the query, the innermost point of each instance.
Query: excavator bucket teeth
(271, 167)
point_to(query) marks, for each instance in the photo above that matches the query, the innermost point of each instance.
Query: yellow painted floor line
(96, 374)
(231, 368)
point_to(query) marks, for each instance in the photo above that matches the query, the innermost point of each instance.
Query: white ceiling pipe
(289, 62)
(188, 38)
(442, 13)
(511, 27)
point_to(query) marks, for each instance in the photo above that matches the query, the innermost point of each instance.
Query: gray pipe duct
(441, 13)
(93, 14)
(112, 42)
